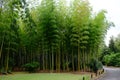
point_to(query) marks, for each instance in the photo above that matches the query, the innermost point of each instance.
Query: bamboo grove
(58, 35)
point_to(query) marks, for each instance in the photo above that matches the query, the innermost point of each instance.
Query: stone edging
(100, 76)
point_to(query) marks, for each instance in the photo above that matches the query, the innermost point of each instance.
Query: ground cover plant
(44, 76)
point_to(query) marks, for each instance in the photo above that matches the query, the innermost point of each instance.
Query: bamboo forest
(55, 35)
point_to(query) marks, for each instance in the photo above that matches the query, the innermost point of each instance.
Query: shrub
(95, 65)
(112, 59)
(31, 67)
(108, 58)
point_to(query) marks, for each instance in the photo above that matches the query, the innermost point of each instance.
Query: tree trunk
(63, 62)
(84, 57)
(50, 60)
(25, 58)
(59, 61)
(78, 58)
(1, 46)
(52, 68)
(46, 60)
(56, 62)
(43, 58)
(67, 62)
(73, 61)
(7, 60)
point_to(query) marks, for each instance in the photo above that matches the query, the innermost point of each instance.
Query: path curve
(111, 74)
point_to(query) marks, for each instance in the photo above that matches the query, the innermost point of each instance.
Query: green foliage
(108, 58)
(117, 43)
(110, 55)
(53, 34)
(104, 51)
(112, 59)
(31, 67)
(112, 46)
(95, 65)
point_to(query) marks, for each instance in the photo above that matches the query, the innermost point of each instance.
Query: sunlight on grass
(45, 76)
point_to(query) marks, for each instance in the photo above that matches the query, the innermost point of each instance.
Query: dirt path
(111, 74)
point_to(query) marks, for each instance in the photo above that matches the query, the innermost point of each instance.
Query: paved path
(111, 74)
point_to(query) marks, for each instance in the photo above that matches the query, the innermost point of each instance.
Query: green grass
(44, 76)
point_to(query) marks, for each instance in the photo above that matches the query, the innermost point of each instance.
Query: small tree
(95, 65)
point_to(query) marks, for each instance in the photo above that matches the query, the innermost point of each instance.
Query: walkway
(111, 74)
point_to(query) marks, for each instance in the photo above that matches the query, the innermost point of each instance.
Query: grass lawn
(44, 76)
